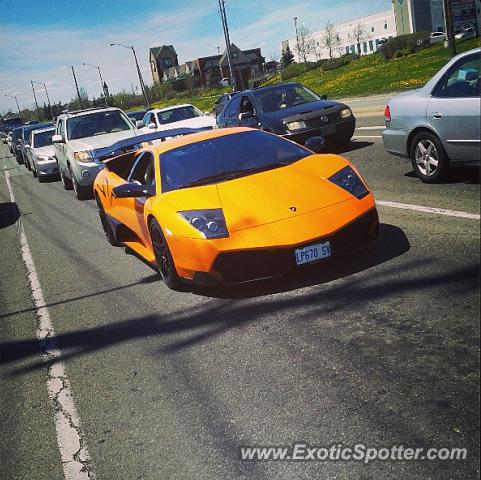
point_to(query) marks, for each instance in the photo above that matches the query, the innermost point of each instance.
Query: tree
(331, 39)
(305, 44)
(358, 36)
(287, 57)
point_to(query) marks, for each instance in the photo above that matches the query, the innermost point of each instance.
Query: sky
(41, 39)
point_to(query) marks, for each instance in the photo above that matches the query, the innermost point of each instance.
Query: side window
(60, 129)
(233, 107)
(246, 105)
(143, 170)
(462, 80)
(147, 118)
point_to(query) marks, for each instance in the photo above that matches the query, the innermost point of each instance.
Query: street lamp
(142, 86)
(297, 40)
(46, 94)
(16, 101)
(102, 83)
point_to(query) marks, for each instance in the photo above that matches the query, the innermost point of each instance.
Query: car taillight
(387, 114)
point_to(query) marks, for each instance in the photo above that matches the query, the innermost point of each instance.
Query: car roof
(162, 147)
(36, 126)
(44, 129)
(74, 113)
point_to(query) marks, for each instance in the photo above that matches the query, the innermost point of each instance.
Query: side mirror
(139, 124)
(152, 126)
(324, 97)
(316, 144)
(27, 145)
(57, 139)
(245, 115)
(133, 190)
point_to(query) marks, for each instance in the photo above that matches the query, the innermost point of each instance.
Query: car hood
(269, 196)
(99, 141)
(302, 109)
(46, 151)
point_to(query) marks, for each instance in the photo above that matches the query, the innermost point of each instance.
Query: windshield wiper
(231, 174)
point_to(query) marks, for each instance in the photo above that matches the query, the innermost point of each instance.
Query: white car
(179, 116)
(41, 153)
(437, 37)
(466, 33)
(79, 135)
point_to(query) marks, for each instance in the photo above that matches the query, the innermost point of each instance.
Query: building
(209, 71)
(161, 59)
(361, 36)
(428, 15)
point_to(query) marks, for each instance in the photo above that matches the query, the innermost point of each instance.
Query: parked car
(9, 124)
(235, 205)
(466, 33)
(290, 110)
(222, 101)
(24, 141)
(78, 135)
(179, 116)
(137, 115)
(225, 82)
(437, 37)
(438, 126)
(15, 144)
(40, 153)
(9, 142)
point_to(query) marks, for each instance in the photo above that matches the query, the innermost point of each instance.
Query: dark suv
(222, 101)
(290, 110)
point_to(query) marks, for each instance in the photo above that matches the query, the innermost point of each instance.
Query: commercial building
(361, 36)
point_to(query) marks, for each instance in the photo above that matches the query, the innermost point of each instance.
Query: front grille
(319, 122)
(235, 267)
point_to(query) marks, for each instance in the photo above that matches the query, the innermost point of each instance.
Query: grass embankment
(368, 75)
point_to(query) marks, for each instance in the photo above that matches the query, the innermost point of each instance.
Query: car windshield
(42, 139)
(285, 96)
(178, 114)
(226, 157)
(98, 123)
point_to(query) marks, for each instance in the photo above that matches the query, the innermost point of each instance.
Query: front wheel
(109, 233)
(163, 257)
(428, 157)
(66, 182)
(82, 193)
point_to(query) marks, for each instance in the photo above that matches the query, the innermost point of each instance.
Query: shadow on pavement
(469, 175)
(9, 214)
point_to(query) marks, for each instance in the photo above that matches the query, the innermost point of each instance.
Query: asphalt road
(381, 349)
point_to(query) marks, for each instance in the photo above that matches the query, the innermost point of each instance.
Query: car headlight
(83, 156)
(346, 113)
(298, 125)
(210, 223)
(349, 181)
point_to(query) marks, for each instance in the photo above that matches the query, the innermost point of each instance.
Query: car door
(132, 209)
(454, 109)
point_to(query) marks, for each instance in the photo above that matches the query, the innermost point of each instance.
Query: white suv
(78, 135)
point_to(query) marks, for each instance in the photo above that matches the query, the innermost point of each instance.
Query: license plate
(328, 130)
(312, 253)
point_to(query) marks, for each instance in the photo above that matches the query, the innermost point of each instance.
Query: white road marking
(376, 127)
(73, 451)
(435, 211)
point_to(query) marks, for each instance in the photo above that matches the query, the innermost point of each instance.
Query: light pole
(297, 40)
(102, 83)
(46, 94)
(16, 101)
(34, 96)
(141, 80)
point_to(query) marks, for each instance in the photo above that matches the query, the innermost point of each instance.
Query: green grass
(372, 75)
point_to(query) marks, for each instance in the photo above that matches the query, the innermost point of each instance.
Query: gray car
(438, 126)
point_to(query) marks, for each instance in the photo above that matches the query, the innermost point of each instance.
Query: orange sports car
(233, 205)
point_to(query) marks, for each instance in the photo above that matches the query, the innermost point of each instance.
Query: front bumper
(85, 173)
(46, 168)
(268, 250)
(332, 131)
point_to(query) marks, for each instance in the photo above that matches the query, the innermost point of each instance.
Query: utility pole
(449, 27)
(297, 41)
(16, 101)
(34, 96)
(46, 94)
(76, 86)
(141, 80)
(227, 42)
(103, 85)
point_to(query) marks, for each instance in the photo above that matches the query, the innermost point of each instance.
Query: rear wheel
(66, 182)
(163, 257)
(107, 228)
(428, 157)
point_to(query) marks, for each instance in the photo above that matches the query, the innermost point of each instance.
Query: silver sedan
(438, 126)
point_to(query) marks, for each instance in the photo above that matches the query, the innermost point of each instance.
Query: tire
(81, 193)
(428, 157)
(34, 171)
(107, 228)
(66, 182)
(163, 257)
(27, 164)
